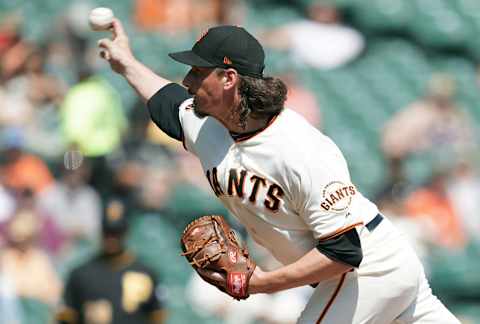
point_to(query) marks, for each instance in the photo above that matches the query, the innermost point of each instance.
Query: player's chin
(197, 108)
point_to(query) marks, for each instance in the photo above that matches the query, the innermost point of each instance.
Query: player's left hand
(256, 283)
(211, 247)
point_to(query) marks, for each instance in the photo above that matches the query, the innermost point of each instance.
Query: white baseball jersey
(289, 185)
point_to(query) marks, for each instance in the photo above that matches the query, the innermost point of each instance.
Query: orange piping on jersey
(341, 231)
(241, 139)
(330, 302)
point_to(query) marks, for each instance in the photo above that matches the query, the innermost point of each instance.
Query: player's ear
(230, 78)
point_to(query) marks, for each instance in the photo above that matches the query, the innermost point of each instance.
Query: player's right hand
(117, 50)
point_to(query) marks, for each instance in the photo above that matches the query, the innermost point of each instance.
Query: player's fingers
(105, 43)
(105, 55)
(117, 29)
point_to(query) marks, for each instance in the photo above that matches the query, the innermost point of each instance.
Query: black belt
(374, 222)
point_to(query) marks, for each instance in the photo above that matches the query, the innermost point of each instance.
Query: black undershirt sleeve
(345, 248)
(163, 107)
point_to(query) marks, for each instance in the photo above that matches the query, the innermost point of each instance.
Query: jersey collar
(246, 136)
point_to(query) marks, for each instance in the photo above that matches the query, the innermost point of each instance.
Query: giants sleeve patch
(337, 196)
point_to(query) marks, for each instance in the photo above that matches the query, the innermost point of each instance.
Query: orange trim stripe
(341, 231)
(330, 302)
(241, 139)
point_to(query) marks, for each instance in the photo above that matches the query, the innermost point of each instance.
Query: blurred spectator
(112, 287)
(45, 93)
(180, 15)
(73, 206)
(7, 204)
(15, 106)
(144, 135)
(28, 267)
(93, 121)
(464, 191)
(396, 183)
(92, 116)
(10, 309)
(77, 30)
(14, 50)
(321, 40)
(138, 120)
(126, 183)
(156, 186)
(432, 123)
(68, 46)
(301, 100)
(22, 170)
(391, 203)
(9, 31)
(42, 88)
(29, 100)
(431, 206)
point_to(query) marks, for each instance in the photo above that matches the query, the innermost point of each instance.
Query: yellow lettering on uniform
(137, 288)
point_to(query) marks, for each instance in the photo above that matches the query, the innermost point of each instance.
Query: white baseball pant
(389, 287)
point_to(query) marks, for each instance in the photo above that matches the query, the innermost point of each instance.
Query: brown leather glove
(211, 247)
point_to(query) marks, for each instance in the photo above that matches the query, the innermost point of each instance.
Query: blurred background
(395, 83)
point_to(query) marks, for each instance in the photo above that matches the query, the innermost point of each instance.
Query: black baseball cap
(226, 47)
(114, 219)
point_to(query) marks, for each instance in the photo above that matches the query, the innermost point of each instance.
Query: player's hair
(260, 98)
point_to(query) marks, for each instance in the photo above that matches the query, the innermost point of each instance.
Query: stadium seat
(35, 312)
(381, 15)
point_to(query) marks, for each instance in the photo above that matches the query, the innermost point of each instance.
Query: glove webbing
(207, 258)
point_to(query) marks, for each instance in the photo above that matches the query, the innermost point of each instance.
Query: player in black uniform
(113, 287)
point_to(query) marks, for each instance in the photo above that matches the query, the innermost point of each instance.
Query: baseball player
(286, 182)
(113, 287)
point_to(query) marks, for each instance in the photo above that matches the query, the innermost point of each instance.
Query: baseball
(100, 19)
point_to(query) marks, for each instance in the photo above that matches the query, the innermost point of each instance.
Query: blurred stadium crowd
(395, 83)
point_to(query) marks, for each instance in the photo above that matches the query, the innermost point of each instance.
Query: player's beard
(197, 109)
